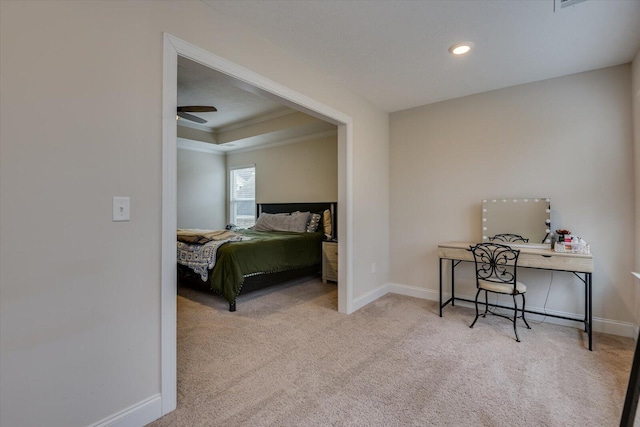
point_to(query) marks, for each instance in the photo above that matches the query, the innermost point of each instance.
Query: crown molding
(188, 124)
(199, 146)
(295, 140)
(255, 120)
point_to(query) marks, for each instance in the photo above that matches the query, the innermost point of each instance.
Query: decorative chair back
(509, 238)
(495, 263)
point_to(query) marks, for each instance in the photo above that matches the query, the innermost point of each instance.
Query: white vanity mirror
(517, 222)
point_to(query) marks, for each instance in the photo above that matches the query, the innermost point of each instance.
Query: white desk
(544, 259)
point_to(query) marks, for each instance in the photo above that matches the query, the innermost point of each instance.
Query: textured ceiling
(395, 53)
(243, 120)
(200, 85)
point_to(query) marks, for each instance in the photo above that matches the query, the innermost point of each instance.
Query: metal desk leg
(586, 302)
(453, 294)
(589, 279)
(440, 265)
(453, 281)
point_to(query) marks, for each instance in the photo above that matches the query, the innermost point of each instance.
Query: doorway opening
(258, 84)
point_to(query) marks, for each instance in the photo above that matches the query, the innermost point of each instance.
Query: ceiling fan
(184, 112)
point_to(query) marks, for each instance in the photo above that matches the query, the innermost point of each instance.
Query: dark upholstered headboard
(302, 207)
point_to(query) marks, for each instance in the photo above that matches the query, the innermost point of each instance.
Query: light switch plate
(121, 209)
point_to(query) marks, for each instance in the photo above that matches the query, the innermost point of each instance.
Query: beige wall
(80, 330)
(201, 190)
(302, 172)
(568, 138)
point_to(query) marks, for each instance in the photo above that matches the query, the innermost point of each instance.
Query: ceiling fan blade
(191, 117)
(197, 109)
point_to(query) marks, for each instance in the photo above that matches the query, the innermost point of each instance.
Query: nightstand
(329, 261)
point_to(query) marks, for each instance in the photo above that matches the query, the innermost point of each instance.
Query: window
(242, 196)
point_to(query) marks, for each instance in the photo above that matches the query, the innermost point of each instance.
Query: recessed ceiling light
(461, 48)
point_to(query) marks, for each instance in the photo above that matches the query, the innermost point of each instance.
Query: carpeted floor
(288, 358)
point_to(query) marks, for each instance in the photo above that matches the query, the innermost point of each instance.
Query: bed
(266, 258)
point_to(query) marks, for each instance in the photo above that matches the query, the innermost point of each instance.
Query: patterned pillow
(314, 221)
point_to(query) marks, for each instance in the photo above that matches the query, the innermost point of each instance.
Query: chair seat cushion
(502, 288)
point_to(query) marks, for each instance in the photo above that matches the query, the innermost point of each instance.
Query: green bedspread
(266, 252)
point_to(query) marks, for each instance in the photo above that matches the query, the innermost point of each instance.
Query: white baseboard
(607, 326)
(413, 291)
(370, 296)
(138, 415)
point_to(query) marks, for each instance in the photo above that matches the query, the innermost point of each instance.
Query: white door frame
(257, 83)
